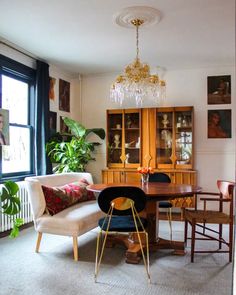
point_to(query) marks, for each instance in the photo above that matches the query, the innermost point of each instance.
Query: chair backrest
(159, 177)
(226, 189)
(34, 187)
(121, 196)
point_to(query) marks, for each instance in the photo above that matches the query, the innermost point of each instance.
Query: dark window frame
(20, 72)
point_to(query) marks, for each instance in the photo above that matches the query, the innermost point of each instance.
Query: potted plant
(10, 205)
(72, 152)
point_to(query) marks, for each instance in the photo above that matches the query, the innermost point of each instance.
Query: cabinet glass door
(183, 139)
(114, 138)
(164, 136)
(132, 145)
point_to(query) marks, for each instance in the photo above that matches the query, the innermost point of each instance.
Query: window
(17, 96)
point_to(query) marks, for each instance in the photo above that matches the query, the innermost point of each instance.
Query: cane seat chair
(122, 205)
(162, 177)
(200, 220)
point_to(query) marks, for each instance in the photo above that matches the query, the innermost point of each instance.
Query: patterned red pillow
(60, 198)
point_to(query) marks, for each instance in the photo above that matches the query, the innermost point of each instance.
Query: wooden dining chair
(162, 177)
(200, 218)
(122, 205)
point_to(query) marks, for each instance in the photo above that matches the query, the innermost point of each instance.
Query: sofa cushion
(60, 198)
(73, 221)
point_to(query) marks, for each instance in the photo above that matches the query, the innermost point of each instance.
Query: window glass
(15, 99)
(16, 156)
(17, 85)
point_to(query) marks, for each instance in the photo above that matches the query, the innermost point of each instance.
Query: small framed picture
(219, 89)
(4, 127)
(219, 123)
(52, 123)
(64, 96)
(63, 127)
(52, 82)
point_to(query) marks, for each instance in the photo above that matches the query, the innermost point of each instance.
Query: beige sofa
(73, 221)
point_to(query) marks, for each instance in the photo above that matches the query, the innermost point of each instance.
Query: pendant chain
(137, 41)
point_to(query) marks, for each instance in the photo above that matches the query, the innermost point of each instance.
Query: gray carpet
(53, 271)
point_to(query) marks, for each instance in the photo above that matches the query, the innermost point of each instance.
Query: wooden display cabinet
(174, 138)
(184, 138)
(164, 138)
(114, 138)
(158, 137)
(124, 138)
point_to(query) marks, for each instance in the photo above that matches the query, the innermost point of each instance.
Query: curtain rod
(18, 50)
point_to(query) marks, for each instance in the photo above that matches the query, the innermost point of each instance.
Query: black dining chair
(122, 205)
(162, 177)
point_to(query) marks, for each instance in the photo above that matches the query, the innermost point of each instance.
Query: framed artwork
(52, 82)
(4, 127)
(219, 89)
(63, 127)
(64, 95)
(219, 123)
(52, 123)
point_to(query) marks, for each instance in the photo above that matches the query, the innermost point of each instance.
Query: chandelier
(137, 83)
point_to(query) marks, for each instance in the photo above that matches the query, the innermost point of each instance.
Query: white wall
(214, 158)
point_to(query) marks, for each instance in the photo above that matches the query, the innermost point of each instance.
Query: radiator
(25, 213)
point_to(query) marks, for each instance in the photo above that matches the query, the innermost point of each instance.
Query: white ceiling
(80, 36)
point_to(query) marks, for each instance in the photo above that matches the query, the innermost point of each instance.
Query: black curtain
(42, 163)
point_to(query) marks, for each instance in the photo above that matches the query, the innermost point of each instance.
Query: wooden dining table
(155, 192)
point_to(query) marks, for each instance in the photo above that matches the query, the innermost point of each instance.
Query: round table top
(154, 190)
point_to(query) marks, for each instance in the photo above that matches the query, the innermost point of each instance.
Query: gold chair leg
(75, 247)
(96, 260)
(102, 251)
(146, 263)
(38, 242)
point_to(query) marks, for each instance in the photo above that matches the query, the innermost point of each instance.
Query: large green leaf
(15, 230)
(100, 132)
(76, 128)
(10, 203)
(12, 187)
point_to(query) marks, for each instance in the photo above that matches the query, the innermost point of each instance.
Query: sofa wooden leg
(38, 242)
(75, 247)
